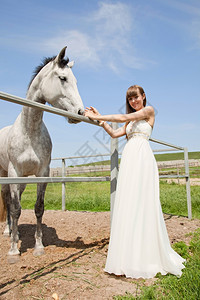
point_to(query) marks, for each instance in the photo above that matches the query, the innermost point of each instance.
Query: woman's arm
(114, 133)
(144, 114)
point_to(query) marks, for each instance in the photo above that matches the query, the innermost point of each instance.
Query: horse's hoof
(13, 259)
(38, 251)
(6, 234)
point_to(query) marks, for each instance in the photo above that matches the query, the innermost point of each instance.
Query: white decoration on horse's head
(70, 64)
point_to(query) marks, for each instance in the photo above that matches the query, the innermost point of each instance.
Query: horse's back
(5, 130)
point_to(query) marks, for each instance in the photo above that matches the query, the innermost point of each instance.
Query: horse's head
(56, 84)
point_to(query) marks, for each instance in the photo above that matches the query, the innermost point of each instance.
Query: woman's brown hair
(133, 91)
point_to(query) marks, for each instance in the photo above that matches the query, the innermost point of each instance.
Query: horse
(26, 145)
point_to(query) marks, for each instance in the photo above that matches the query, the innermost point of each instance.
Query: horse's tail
(3, 210)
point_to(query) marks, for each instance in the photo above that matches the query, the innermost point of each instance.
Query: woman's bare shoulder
(150, 109)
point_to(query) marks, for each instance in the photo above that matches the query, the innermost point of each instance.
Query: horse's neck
(32, 117)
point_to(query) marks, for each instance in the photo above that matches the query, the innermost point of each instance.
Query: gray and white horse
(25, 147)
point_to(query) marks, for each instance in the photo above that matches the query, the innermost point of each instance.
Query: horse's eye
(63, 78)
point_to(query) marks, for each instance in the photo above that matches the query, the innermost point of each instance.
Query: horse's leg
(5, 204)
(5, 194)
(15, 211)
(22, 188)
(39, 210)
(3, 210)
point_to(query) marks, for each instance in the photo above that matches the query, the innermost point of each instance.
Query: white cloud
(105, 39)
(112, 18)
(108, 39)
(79, 46)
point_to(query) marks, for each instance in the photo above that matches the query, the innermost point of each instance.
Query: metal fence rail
(19, 180)
(53, 110)
(114, 156)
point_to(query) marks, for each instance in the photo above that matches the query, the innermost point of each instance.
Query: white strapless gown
(139, 245)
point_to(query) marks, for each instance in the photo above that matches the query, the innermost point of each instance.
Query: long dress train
(139, 245)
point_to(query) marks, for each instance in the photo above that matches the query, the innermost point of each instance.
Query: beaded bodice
(139, 129)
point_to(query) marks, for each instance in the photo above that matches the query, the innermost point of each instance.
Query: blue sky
(115, 44)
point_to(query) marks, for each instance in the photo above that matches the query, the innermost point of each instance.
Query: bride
(139, 246)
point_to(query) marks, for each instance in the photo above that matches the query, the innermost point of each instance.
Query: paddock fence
(114, 155)
(176, 167)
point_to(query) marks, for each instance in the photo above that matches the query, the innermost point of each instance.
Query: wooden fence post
(114, 169)
(187, 177)
(63, 185)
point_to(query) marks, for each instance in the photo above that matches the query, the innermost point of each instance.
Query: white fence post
(114, 169)
(63, 185)
(187, 177)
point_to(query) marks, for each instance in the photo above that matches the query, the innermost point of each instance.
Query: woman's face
(136, 102)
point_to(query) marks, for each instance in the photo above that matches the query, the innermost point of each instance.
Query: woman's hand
(91, 113)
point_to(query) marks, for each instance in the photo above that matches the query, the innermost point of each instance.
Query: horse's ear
(60, 56)
(70, 64)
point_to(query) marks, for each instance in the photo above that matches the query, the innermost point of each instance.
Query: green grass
(176, 156)
(159, 157)
(95, 196)
(174, 200)
(90, 196)
(194, 171)
(169, 287)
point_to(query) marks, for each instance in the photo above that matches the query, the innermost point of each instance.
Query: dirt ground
(75, 252)
(193, 181)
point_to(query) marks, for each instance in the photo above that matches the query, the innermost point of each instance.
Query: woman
(139, 245)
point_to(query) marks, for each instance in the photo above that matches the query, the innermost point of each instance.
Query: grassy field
(159, 157)
(95, 196)
(90, 196)
(176, 156)
(194, 172)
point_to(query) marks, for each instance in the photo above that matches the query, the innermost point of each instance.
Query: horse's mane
(45, 61)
